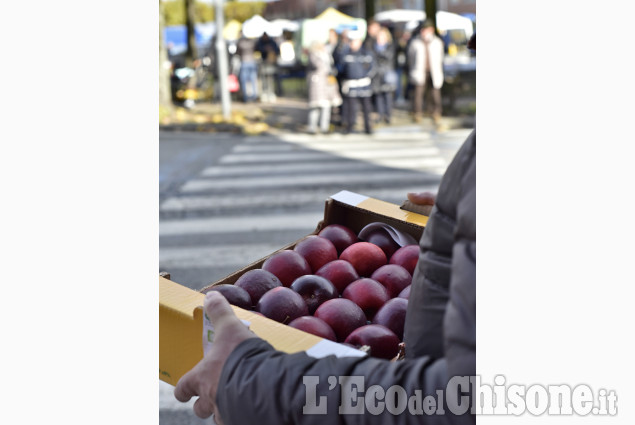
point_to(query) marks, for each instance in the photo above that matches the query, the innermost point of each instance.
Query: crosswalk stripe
(352, 138)
(236, 256)
(285, 198)
(371, 145)
(245, 170)
(197, 185)
(423, 151)
(250, 223)
(275, 157)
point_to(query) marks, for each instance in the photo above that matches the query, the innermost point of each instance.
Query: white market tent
(317, 29)
(286, 25)
(256, 26)
(446, 21)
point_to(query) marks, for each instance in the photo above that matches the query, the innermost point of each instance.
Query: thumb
(218, 309)
(422, 198)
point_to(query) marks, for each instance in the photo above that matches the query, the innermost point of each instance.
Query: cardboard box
(181, 317)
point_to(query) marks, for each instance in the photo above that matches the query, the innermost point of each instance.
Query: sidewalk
(287, 115)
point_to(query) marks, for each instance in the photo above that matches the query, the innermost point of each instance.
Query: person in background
(425, 58)
(248, 71)
(371, 34)
(401, 64)
(372, 29)
(357, 71)
(385, 79)
(322, 95)
(269, 53)
(341, 47)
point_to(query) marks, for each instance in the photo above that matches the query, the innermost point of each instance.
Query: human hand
(202, 380)
(422, 198)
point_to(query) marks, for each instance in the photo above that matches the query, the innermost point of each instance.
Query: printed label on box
(208, 332)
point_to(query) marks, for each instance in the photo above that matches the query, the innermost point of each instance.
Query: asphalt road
(228, 200)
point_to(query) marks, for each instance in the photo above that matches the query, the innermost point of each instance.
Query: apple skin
(383, 342)
(282, 305)
(368, 294)
(405, 293)
(342, 315)
(341, 236)
(314, 326)
(393, 316)
(315, 290)
(406, 257)
(394, 277)
(381, 238)
(234, 295)
(256, 282)
(365, 257)
(340, 273)
(287, 265)
(317, 251)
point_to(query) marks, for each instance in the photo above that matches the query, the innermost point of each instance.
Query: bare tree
(190, 19)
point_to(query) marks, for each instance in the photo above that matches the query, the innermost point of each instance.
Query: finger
(218, 309)
(185, 388)
(203, 408)
(422, 198)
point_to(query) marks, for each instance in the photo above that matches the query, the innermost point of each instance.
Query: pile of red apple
(335, 286)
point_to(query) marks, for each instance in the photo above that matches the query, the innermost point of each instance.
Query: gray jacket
(264, 386)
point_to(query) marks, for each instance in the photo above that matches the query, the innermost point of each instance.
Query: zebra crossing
(268, 191)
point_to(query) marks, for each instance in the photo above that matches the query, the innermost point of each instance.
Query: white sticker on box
(208, 332)
(349, 198)
(327, 348)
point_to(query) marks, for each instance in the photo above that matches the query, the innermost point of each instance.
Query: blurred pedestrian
(269, 52)
(248, 72)
(401, 64)
(425, 57)
(322, 95)
(385, 79)
(371, 34)
(357, 69)
(341, 47)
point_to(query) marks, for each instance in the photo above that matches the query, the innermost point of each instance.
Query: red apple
(368, 294)
(340, 235)
(234, 295)
(383, 342)
(256, 282)
(393, 316)
(314, 326)
(339, 272)
(282, 305)
(314, 289)
(406, 257)
(317, 251)
(395, 278)
(382, 239)
(405, 293)
(342, 315)
(365, 257)
(287, 266)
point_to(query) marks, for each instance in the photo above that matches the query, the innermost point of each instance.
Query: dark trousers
(419, 94)
(384, 105)
(350, 109)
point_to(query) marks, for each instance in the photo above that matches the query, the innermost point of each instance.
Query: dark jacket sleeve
(264, 386)
(261, 385)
